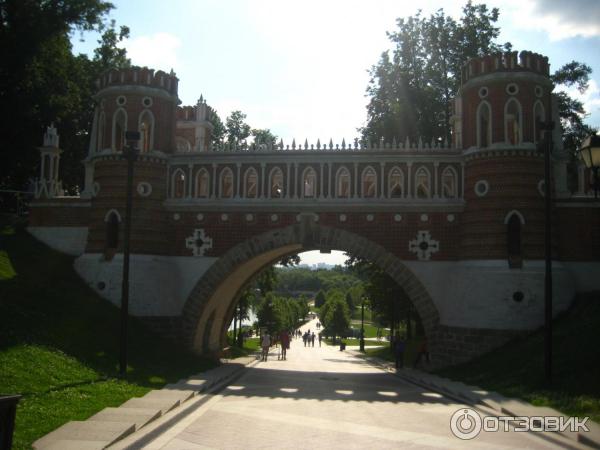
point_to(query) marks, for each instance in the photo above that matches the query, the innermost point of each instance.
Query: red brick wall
(62, 213)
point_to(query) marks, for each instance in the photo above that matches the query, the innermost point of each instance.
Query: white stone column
(190, 186)
(355, 180)
(261, 180)
(436, 189)
(238, 180)
(330, 182)
(409, 180)
(296, 180)
(321, 185)
(381, 183)
(288, 192)
(214, 178)
(462, 184)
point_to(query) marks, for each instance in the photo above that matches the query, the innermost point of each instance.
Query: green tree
(219, 130)
(349, 301)
(264, 137)
(319, 299)
(411, 91)
(41, 81)
(237, 129)
(335, 315)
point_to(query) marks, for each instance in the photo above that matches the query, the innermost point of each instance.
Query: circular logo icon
(465, 423)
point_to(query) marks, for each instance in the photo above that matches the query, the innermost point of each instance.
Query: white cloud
(558, 18)
(590, 98)
(158, 51)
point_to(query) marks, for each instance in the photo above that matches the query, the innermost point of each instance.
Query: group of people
(400, 347)
(283, 339)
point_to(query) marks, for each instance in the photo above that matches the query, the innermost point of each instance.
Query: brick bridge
(459, 225)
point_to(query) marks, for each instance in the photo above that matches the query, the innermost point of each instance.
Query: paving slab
(73, 444)
(138, 416)
(104, 433)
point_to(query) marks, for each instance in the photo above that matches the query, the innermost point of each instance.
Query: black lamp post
(130, 153)
(590, 154)
(547, 144)
(362, 325)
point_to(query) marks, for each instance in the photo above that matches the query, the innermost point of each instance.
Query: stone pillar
(214, 177)
(409, 179)
(239, 180)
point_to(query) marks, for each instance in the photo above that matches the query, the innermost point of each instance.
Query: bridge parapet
(351, 146)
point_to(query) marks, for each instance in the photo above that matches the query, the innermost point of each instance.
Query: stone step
(91, 432)
(162, 404)
(170, 394)
(194, 384)
(74, 444)
(137, 416)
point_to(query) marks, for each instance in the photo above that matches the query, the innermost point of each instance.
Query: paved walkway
(324, 398)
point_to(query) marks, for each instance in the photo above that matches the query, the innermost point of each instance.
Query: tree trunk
(408, 324)
(234, 326)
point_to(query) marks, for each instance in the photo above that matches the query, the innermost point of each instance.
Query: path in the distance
(325, 398)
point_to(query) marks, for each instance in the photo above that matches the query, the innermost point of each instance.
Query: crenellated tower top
(505, 62)
(141, 76)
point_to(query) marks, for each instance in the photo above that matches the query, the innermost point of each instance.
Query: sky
(300, 68)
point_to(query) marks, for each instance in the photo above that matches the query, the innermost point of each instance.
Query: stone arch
(209, 307)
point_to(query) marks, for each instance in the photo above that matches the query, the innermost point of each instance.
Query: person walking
(305, 338)
(320, 339)
(423, 351)
(312, 339)
(265, 344)
(399, 346)
(284, 339)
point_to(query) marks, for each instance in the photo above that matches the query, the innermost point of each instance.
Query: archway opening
(212, 304)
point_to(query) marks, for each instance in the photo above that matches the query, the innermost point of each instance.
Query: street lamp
(362, 324)
(547, 144)
(130, 153)
(590, 153)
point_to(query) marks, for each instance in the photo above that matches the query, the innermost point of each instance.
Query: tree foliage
(412, 87)
(411, 90)
(276, 313)
(41, 81)
(335, 314)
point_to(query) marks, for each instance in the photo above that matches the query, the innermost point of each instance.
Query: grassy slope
(516, 370)
(59, 343)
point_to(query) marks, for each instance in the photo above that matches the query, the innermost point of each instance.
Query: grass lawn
(59, 343)
(370, 329)
(251, 345)
(352, 341)
(516, 370)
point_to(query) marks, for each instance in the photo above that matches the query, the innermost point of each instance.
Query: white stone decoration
(147, 102)
(144, 189)
(199, 242)
(224, 217)
(398, 217)
(541, 187)
(343, 217)
(121, 100)
(450, 217)
(95, 188)
(249, 217)
(199, 217)
(274, 217)
(483, 92)
(298, 218)
(481, 188)
(424, 217)
(539, 91)
(370, 217)
(424, 246)
(176, 216)
(512, 89)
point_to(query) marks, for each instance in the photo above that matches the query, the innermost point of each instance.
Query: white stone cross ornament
(199, 242)
(423, 246)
